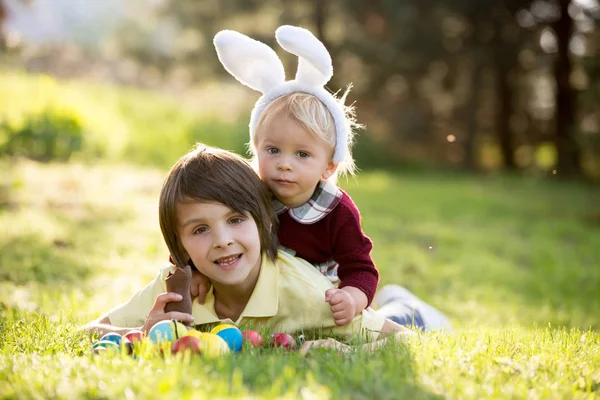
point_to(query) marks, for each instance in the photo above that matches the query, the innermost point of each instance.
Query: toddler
(300, 139)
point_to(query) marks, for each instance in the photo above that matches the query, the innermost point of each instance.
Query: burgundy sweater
(336, 236)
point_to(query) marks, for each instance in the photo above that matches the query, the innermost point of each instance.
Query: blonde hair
(310, 112)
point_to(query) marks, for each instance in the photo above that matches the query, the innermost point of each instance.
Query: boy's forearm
(103, 329)
(389, 330)
(102, 326)
(360, 299)
(343, 348)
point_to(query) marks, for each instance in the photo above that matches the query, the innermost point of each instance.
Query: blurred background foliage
(495, 85)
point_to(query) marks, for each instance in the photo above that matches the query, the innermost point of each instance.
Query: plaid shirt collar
(325, 198)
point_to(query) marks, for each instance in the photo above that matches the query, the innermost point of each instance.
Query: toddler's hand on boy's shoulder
(199, 286)
(342, 306)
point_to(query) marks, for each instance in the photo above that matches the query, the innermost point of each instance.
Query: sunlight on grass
(67, 223)
(127, 124)
(487, 252)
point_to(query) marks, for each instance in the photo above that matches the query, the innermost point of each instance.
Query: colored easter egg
(167, 331)
(112, 337)
(231, 334)
(134, 336)
(186, 343)
(104, 345)
(253, 338)
(284, 340)
(210, 345)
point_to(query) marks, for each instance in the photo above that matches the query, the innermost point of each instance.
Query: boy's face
(291, 161)
(223, 244)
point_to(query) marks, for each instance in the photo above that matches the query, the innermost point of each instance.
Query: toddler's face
(291, 161)
(223, 244)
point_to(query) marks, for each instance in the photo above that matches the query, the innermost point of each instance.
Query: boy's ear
(330, 170)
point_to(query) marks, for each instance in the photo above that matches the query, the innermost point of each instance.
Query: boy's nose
(223, 238)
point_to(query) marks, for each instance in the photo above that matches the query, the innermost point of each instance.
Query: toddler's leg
(400, 305)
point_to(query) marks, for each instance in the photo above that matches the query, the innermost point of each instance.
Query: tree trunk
(470, 142)
(504, 96)
(321, 15)
(503, 115)
(566, 145)
(321, 20)
(3, 17)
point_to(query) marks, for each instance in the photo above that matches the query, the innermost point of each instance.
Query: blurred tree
(393, 53)
(509, 41)
(3, 18)
(569, 155)
(435, 80)
(468, 38)
(590, 100)
(557, 29)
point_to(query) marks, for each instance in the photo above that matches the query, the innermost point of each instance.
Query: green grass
(513, 262)
(128, 124)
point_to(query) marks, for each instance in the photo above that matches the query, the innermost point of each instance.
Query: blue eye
(272, 150)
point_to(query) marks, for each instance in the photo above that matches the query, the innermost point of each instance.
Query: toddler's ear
(330, 170)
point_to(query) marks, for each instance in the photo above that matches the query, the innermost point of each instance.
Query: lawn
(514, 262)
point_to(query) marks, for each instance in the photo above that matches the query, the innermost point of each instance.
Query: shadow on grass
(386, 374)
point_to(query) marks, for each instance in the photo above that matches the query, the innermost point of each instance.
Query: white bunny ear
(251, 62)
(314, 64)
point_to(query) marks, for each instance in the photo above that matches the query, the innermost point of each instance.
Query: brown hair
(211, 174)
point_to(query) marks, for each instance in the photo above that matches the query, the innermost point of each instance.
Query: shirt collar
(264, 301)
(325, 198)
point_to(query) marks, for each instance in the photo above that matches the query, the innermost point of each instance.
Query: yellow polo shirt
(289, 296)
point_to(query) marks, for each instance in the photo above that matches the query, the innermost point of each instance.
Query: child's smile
(228, 262)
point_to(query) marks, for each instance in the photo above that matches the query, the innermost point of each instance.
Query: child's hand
(199, 286)
(342, 306)
(157, 313)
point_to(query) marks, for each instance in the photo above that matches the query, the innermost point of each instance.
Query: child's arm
(345, 303)
(389, 329)
(352, 251)
(103, 325)
(200, 286)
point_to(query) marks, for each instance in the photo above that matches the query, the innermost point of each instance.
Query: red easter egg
(284, 340)
(134, 336)
(253, 338)
(186, 343)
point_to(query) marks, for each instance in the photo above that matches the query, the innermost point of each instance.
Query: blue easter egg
(167, 331)
(161, 332)
(231, 334)
(106, 344)
(112, 337)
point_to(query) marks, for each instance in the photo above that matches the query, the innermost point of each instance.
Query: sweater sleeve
(352, 250)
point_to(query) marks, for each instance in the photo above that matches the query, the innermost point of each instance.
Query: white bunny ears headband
(257, 66)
